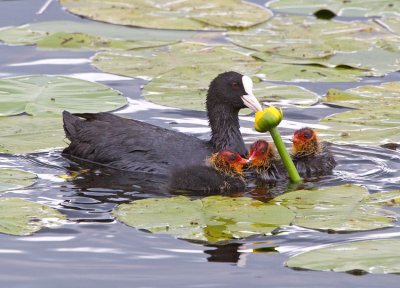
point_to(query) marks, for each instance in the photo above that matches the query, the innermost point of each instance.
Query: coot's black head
(234, 90)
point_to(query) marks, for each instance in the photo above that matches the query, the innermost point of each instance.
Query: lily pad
(39, 95)
(366, 97)
(391, 198)
(376, 61)
(20, 35)
(305, 73)
(377, 120)
(308, 37)
(21, 217)
(186, 88)
(373, 256)
(170, 14)
(11, 179)
(342, 133)
(149, 63)
(354, 8)
(391, 23)
(212, 219)
(336, 208)
(24, 35)
(27, 134)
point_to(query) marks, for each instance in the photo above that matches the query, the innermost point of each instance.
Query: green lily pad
(354, 8)
(149, 63)
(25, 35)
(21, 217)
(391, 23)
(169, 14)
(376, 122)
(391, 198)
(342, 133)
(376, 61)
(307, 37)
(366, 97)
(20, 35)
(212, 219)
(11, 179)
(38, 95)
(336, 208)
(373, 256)
(271, 70)
(28, 134)
(186, 87)
(285, 94)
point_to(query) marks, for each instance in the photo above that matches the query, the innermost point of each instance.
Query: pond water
(94, 250)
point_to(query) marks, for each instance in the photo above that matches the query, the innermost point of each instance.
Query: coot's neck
(225, 129)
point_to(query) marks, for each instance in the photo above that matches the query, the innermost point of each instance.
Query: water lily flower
(268, 119)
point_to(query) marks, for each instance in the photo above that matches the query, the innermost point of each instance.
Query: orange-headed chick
(228, 162)
(305, 142)
(263, 159)
(311, 157)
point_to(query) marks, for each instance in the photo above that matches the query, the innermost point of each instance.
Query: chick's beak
(243, 161)
(295, 139)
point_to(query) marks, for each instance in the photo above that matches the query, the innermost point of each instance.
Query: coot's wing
(131, 145)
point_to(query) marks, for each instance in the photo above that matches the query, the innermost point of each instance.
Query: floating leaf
(38, 95)
(391, 198)
(24, 35)
(169, 14)
(150, 63)
(308, 37)
(186, 88)
(27, 134)
(392, 23)
(285, 94)
(353, 8)
(373, 256)
(366, 97)
(33, 32)
(336, 208)
(20, 35)
(21, 217)
(212, 219)
(11, 179)
(342, 133)
(376, 122)
(303, 73)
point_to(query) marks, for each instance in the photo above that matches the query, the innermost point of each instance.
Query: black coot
(136, 146)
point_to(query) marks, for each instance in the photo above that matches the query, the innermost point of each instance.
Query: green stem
(287, 161)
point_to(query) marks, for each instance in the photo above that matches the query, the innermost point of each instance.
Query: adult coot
(311, 157)
(136, 146)
(223, 174)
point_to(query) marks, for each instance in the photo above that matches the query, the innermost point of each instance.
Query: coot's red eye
(235, 85)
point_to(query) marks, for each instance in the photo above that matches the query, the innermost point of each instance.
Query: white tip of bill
(250, 100)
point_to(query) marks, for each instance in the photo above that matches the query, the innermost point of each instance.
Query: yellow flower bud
(268, 119)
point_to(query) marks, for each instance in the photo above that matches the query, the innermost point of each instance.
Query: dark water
(93, 250)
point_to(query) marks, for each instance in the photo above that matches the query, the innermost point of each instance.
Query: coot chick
(223, 174)
(311, 157)
(136, 146)
(264, 162)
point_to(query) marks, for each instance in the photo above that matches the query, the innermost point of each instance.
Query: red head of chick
(228, 162)
(305, 143)
(261, 155)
